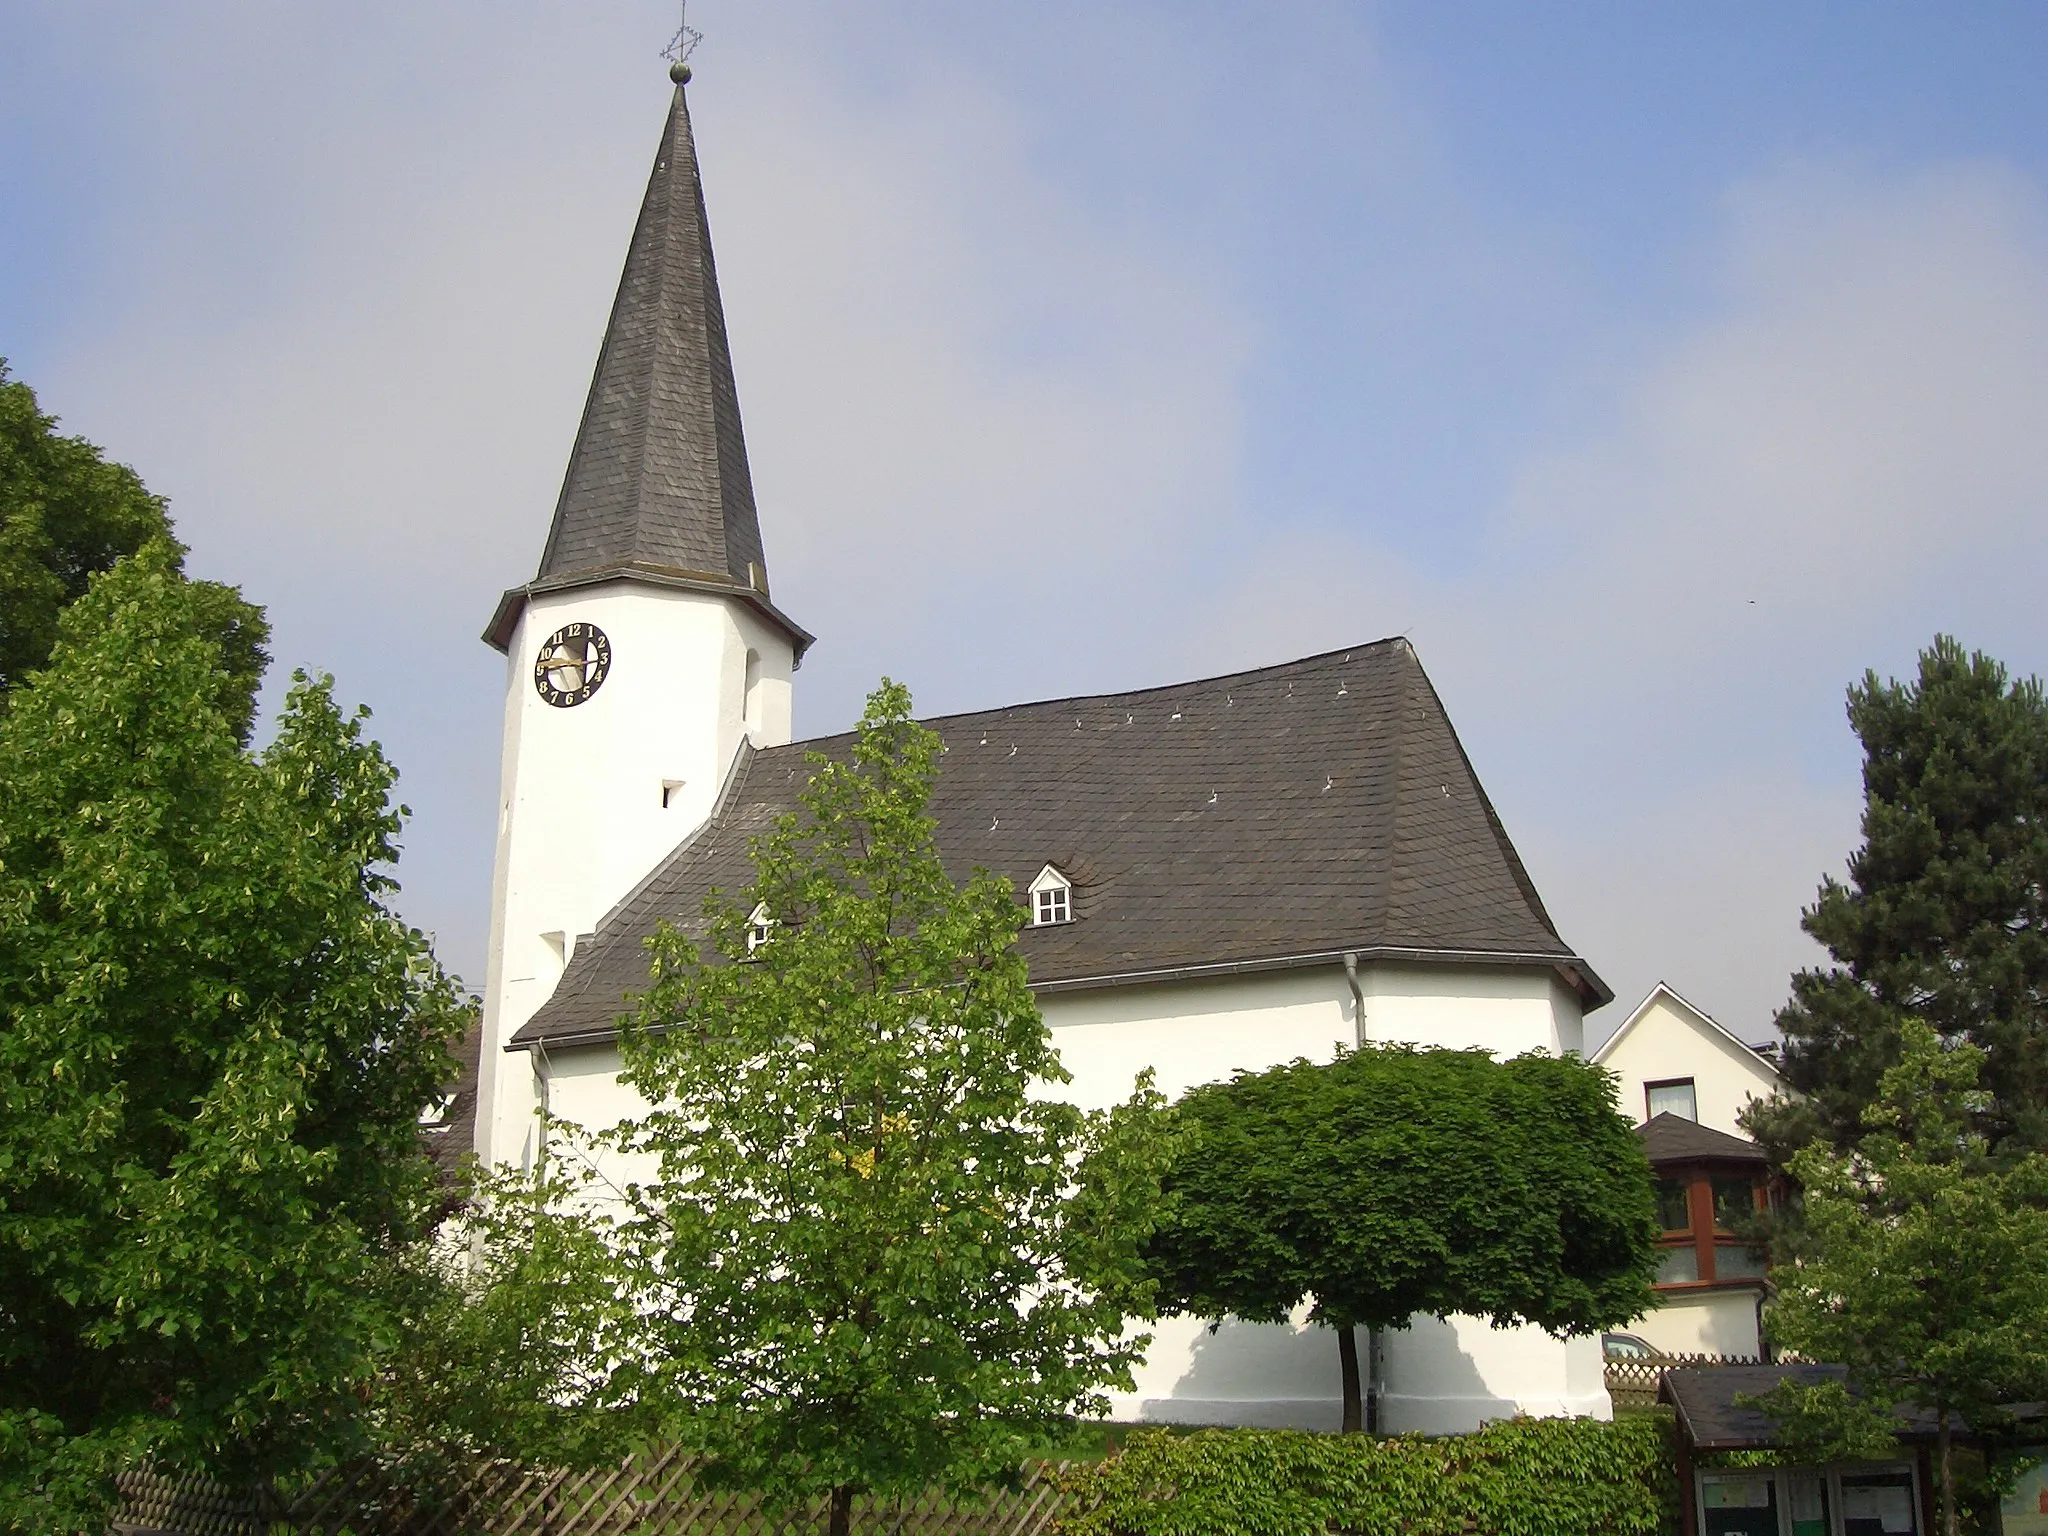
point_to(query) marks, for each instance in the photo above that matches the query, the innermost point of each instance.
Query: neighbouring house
(1221, 874)
(1688, 1077)
(1673, 1058)
(1892, 1497)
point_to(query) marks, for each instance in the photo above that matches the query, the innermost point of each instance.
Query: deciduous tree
(879, 1252)
(1921, 1268)
(1394, 1182)
(215, 1042)
(67, 514)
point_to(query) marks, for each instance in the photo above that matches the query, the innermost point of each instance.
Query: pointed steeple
(659, 472)
(658, 485)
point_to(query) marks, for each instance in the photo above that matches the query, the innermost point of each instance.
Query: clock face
(572, 664)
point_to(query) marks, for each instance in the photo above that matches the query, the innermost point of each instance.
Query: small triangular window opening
(1052, 898)
(760, 928)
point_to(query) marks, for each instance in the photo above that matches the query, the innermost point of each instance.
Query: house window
(1052, 898)
(1736, 1261)
(1734, 1203)
(760, 928)
(1674, 1204)
(751, 696)
(1675, 1097)
(1698, 1210)
(1679, 1266)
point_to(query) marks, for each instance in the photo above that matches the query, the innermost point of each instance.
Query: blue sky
(1656, 369)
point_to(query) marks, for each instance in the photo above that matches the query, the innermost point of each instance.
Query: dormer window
(760, 928)
(1052, 898)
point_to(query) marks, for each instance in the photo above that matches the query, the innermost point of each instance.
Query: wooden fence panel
(1634, 1383)
(657, 1496)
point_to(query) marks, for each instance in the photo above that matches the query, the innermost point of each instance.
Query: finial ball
(679, 72)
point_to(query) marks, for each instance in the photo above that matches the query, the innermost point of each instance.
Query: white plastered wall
(592, 797)
(1704, 1323)
(1437, 1377)
(1667, 1038)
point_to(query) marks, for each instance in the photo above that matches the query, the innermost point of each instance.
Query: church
(1226, 873)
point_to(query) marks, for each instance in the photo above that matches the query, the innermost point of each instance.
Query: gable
(1263, 818)
(1667, 1039)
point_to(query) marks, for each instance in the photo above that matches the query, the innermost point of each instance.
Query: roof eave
(1570, 970)
(498, 633)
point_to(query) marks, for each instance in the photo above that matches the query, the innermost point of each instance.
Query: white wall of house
(1667, 1037)
(1438, 1377)
(1703, 1323)
(581, 816)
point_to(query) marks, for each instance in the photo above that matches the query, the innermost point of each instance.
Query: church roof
(658, 486)
(1280, 817)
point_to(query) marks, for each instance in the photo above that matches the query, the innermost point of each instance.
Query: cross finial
(681, 46)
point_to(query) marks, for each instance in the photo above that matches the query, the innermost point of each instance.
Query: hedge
(1520, 1477)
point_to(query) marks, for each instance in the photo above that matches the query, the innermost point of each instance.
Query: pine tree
(1945, 913)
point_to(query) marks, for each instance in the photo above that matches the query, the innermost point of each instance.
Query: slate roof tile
(1308, 809)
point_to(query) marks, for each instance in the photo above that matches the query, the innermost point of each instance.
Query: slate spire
(658, 478)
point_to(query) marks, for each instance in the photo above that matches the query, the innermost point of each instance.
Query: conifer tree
(1944, 916)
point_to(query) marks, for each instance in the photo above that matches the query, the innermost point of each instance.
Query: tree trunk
(842, 1511)
(1372, 1381)
(1944, 1442)
(1347, 1360)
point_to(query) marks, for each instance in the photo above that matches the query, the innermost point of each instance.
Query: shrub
(1520, 1477)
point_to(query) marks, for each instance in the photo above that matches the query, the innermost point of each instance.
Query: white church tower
(646, 649)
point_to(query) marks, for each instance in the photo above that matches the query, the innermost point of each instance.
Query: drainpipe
(1372, 1342)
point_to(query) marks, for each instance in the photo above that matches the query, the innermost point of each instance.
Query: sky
(1657, 370)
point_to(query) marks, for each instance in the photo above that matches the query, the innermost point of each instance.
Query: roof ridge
(1342, 653)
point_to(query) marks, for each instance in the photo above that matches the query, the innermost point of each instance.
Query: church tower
(646, 650)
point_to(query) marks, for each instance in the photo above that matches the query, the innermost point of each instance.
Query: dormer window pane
(1052, 905)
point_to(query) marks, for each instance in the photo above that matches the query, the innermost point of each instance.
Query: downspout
(1372, 1343)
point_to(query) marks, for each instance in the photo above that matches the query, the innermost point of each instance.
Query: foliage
(1943, 917)
(1922, 1268)
(504, 1326)
(873, 1253)
(215, 1042)
(1519, 1477)
(1396, 1181)
(67, 514)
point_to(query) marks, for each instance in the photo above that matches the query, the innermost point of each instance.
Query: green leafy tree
(1922, 1269)
(506, 1333)
(878, 1253)
(215, 1041)
(66, 514)
(1394, 1182)
(1944, 916)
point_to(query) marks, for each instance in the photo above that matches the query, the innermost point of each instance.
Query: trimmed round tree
(1396, 1182)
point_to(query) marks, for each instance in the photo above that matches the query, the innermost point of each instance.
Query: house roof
(453, 1136)
(658, 486)
(1263, 819)
(1664, 990)
(1672, 1138)
(1708, 1415)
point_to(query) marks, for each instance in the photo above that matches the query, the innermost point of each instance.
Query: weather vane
(682, 45)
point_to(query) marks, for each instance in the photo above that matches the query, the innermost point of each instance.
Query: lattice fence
(654, 1497)
(1634, 1383)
